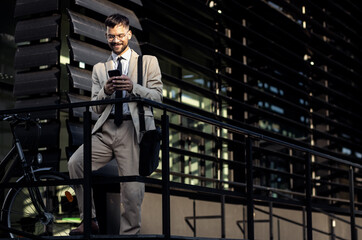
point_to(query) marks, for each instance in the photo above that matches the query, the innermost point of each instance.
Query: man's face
(117, 38)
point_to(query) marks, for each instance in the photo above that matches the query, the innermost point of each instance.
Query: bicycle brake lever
(5, 117)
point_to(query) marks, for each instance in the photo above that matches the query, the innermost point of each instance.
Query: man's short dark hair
(115, 19)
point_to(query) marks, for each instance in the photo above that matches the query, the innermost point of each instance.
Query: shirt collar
(126, 55)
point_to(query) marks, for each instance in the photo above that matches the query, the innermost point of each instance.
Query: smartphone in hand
(114, 73)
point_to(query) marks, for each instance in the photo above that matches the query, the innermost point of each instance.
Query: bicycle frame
(11, 154)
(17, 153)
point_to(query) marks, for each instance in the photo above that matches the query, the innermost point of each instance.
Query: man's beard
(120, 51)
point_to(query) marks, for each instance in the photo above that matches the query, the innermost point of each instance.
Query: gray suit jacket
(151, 89)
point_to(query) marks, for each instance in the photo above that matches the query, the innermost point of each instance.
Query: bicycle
(48, 209)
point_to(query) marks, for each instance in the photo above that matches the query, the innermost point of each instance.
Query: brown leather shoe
(80, 229)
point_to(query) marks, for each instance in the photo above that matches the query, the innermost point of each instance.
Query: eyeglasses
(111, 37)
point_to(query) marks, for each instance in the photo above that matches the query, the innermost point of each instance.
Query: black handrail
(176, 110)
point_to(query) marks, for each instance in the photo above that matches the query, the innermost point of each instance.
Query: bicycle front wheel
(62, 212)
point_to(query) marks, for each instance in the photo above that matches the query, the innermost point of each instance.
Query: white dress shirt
(125, 66)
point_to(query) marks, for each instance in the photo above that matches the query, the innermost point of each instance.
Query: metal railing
(166, 184)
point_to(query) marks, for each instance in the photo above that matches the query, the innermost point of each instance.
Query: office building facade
(290, 71)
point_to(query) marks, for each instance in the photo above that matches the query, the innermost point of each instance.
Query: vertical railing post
(249, 187)
(351, 204)
(304, 228)
(244, 222)
(278, 222)
(166, 226)
(271, 235)
(222, 216)
(87, 172)
(331, 227)
(194, 213)
(308, 196)
(222, 197)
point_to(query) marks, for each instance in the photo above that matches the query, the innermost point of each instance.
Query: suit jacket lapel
(132, 71)
(109, 65)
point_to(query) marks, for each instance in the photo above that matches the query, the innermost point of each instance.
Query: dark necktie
(118, 108)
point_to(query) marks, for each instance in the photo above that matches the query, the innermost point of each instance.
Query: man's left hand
(123, 83)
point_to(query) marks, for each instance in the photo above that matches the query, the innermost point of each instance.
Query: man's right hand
(108, 87)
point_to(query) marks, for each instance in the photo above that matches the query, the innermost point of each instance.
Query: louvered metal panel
(49, 137)
(107, 8)
(28, 7)
(36, 82)
(78, 112)
(133, 43)
(37, 55)
(75, 130)
(138, 2)
(80, 78)
(39, 28)
(88, 27)
(45, 101)
(87, 53)
(95, 30)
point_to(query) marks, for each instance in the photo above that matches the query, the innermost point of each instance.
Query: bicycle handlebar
(15, 117)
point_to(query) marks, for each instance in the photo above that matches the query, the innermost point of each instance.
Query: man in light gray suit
(117, 131)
